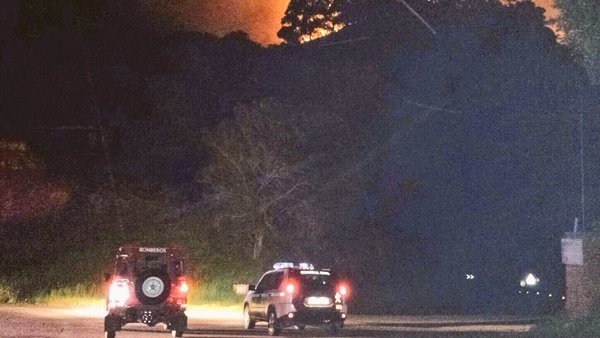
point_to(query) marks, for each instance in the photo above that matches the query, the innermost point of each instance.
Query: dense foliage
(579, 20)
(402, 158)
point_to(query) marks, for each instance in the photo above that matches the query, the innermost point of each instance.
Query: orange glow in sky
(548, 5)
(551, 14)
(261, 19)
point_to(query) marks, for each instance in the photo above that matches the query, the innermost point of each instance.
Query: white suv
(297, 296)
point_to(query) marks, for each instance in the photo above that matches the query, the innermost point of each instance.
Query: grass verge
(218, 293)
(74, 296)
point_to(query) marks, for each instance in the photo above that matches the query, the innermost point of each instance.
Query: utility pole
(582, 169)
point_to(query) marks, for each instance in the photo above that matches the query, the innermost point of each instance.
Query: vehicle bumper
(312, 317)
(151, 315)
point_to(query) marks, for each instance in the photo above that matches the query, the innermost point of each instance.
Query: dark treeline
(404, 159)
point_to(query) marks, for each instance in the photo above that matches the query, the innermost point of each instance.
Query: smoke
(261, 19)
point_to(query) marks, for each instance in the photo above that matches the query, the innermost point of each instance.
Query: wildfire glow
(321, 32)
(261, 19)
(548, 5)
(551, 14)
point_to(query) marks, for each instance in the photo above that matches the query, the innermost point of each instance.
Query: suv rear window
(315, 281)
(146, 262)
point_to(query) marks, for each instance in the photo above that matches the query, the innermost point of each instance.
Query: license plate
(318, 301)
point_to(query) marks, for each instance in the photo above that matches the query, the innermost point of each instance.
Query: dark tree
(256, 181)
(307, 20)
(581, 23)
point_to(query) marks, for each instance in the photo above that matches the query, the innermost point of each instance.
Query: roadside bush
(79, 245)
(217, 292)
(7, 294)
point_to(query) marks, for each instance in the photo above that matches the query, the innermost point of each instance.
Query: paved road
(38, 321)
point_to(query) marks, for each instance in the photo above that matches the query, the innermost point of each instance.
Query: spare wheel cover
(153, 287)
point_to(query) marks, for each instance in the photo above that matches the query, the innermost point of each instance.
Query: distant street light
(530, 281)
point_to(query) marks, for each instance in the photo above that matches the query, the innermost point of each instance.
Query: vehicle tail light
(343, 289)
(184, 287)
(118, 293)
(180, 288)
(290, 287)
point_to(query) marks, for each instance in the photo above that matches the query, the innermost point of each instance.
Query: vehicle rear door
(273, 294)
(254, 303)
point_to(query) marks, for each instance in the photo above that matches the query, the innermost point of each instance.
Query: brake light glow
(118, 293)
(290, 288)
(183, 287)
(343, 289)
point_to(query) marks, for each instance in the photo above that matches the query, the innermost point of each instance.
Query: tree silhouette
(255, 180)
(306, 20)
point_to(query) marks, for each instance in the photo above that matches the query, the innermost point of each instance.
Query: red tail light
(118, 293)
(180, 288)
(179, 292)
(184, 287)
(343, 289)
(291, 286)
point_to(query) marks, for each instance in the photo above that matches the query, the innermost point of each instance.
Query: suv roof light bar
(306, 266)
(283, 265)
(302, 266)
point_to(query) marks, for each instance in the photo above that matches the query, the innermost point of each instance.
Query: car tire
(333, 328)
(248, 322)
(111, 325)
(177, 325)
(273, 327)
(153, 278)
